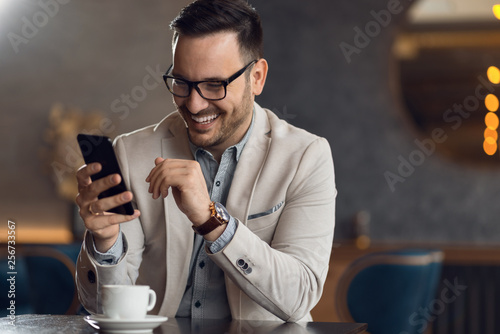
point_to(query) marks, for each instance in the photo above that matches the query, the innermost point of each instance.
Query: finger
(97, 224)
(148, 179)
(105, 204)
(86, 171)
(161, 167)
(160, 178)
(83, 174)
(108, 219)
(118, 219)
(161, 188)
(158, 161)
(155, 172)
(154, 186)
(92, 191)
(172, 174)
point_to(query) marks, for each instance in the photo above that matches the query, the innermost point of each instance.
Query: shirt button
(197, 304)
(202, 264)
(217, 183)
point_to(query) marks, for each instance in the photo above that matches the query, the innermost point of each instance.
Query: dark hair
(204, 17)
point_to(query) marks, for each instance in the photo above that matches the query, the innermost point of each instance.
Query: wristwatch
(219, 216)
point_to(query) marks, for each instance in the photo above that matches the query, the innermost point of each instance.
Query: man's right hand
(103, 225)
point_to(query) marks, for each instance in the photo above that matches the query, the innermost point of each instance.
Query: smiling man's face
(214, 125)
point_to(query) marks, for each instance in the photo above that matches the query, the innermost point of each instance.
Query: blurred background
(372, 89)
(404, 91)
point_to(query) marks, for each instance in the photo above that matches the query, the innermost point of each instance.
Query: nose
(195, 103)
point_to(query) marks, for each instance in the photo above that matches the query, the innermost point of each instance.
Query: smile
(205, 119)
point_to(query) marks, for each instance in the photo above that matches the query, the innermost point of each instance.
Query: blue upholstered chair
(390, 290)
(45, 280)
(19, 291)
(51, 280)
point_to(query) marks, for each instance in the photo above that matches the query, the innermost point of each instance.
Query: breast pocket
(263, 224)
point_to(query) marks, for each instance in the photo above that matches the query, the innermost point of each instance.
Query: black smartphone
(100, 149)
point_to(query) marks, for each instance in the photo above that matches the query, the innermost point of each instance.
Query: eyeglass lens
(208, 89)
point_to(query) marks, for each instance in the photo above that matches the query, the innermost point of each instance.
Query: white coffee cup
(127, 301)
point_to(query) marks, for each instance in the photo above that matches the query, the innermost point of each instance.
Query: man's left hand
(188, 187)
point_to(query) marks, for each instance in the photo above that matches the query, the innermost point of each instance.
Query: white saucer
(119, 326)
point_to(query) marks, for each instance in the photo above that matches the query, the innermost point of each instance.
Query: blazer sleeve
(90, 275)
(286, 277)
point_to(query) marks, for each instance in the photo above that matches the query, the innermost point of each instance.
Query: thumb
(159, 160)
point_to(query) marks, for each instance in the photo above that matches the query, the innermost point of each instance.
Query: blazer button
(244, 266)
(91, 276)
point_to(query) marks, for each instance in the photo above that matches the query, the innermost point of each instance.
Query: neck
(218, 150)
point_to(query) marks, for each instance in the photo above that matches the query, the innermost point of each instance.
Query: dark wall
(92, 52)
(355, 103)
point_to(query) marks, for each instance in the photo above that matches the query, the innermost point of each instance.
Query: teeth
(205, 119)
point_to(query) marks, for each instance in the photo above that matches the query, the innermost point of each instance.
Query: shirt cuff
(113, 255)
(226, 236)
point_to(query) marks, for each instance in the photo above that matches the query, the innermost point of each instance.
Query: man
(258, 192)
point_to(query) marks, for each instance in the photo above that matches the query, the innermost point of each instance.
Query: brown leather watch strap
(208, 226)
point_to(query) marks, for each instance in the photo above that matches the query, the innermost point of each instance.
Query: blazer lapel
(179, 235)
(249, 167)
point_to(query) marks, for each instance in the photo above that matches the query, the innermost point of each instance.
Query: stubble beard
(228, 126)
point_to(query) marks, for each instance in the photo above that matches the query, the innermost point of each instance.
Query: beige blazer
(283, 196)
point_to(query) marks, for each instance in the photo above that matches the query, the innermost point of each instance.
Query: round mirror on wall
(448, 55)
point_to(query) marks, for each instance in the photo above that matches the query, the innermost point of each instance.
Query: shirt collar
(238, 147)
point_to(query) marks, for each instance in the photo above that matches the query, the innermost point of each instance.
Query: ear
(259, 75)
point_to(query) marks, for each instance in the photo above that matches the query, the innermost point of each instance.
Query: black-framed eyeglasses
(213, 90)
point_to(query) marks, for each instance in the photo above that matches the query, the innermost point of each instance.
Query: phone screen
(100, 149)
